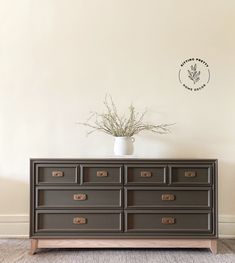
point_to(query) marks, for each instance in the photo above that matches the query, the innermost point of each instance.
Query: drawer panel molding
(101, 174)
(150, 197)
(143, 174)
(61, 221)
(57, 174)
(71, 197)
(169, 222)
(194, 175)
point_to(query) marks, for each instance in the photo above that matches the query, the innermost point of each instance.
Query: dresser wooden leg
(34, 246)
(213, 246)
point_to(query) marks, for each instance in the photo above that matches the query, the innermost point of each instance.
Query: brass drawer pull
(168, 197)
(102, 173)
(190, 174)
(168, 220)
(79, 197)
(145, 174)
(57, 173)
(79, 220)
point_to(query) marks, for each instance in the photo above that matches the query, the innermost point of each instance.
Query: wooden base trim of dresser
(213, 247)
(34, 246)
(123, 243)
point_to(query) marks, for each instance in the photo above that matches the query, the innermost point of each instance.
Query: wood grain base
(123, 243)
(34, 246)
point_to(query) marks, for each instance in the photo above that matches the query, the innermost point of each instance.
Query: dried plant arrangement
(120, 125)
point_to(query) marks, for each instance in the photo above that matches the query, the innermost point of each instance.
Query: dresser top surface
(123, 159)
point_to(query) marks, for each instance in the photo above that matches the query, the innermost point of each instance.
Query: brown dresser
(123, 203)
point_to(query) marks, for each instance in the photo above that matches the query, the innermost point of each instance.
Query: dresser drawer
(80, 197)
(190, 174)
(78, 221)
(56, 174)
(101, 174)
(145, 174)
(160, 198)
(168, 222)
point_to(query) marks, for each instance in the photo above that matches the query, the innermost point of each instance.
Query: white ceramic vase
(123, 145)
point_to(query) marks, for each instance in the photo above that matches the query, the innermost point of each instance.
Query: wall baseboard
(17, 226)
(14, 226)
(226, 226)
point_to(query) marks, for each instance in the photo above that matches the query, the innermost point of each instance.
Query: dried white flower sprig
(112, 123)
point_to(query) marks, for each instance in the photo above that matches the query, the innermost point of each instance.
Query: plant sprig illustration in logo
(194, 75)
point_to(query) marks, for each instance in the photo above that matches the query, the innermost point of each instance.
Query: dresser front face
(121, 198)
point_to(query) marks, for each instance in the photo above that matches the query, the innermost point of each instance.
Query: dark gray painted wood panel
(146, 198)
(57, 173)
(101, 174)
(180, 222)
(67, 221)
(71, 197)
(188, 174)
(135, 174)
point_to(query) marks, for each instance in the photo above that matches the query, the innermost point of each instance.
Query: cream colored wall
(59, 58)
